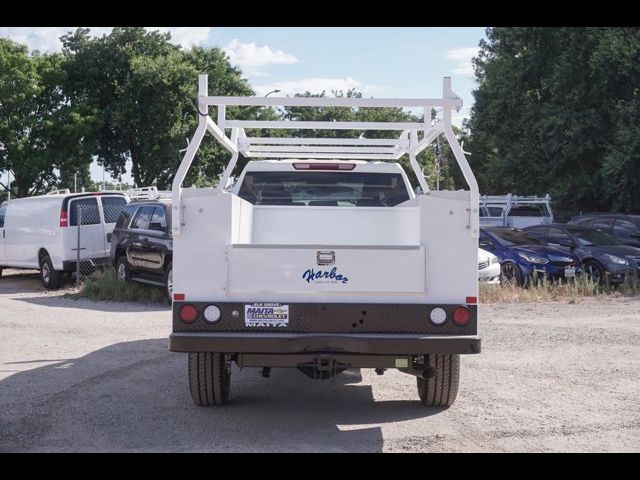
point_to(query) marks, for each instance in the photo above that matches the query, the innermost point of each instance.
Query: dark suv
(141, 244)
(624, 227)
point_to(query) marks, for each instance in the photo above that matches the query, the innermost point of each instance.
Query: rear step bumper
(284, 343)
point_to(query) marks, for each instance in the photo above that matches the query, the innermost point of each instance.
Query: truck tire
(442, 388)
(49, 277)
(123, 272)
(168, 282)
(209, 378)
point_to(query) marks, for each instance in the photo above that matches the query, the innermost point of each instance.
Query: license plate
(569, 272)
(266, 315)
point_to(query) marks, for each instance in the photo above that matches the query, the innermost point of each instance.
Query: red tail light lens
(461, 316)
(64, 220)
(324, 166)
(188, 313)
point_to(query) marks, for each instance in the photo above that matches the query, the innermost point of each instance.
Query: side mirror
(108, 237)
(156, 226)
(568, 244)
(486, 244)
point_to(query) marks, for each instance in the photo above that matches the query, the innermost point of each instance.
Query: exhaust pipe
(422, 371)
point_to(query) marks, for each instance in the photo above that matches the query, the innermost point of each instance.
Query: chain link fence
(94, 221)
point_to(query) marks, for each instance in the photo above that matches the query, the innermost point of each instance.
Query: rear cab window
(337, 189)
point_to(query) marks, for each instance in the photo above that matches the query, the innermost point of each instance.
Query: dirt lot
(78, 375)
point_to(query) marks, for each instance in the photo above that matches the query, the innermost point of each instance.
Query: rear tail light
(471, 300)
(461, 316)
(64, 219)
(212, 313)
(324, 166)
(188, 313)
(438, 315)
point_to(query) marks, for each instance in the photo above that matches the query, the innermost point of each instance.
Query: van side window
(3, 209)
(89, 211)
(142, 218)
(112, 207)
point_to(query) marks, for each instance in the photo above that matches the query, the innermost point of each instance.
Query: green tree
(556, 111)
(26, 99)
(141, 89)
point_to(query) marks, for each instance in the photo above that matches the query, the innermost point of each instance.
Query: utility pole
(75, 182)
(9, 185)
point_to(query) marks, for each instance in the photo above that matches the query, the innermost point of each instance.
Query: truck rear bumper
(290, 343)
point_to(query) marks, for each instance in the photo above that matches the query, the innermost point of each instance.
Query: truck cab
(322, 258)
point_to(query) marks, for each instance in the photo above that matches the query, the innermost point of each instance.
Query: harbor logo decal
(323, 276)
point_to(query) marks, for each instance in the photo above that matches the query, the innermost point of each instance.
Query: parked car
(624, 227)
(522, 256)
(41, 232)
(602, 255)
(488, 267)
(141, 244)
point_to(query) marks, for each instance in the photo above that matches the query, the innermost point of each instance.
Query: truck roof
(287, 165)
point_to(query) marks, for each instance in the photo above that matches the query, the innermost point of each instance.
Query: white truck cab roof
(288, 165)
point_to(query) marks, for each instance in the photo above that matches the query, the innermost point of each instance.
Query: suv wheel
(168, 281)
(441, 389)
(49, 277)
(123, 273)
(209, 378)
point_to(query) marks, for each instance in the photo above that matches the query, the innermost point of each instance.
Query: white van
(42, 232)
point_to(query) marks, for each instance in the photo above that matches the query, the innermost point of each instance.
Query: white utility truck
(321, 256)
(42, 232)
(515, 211)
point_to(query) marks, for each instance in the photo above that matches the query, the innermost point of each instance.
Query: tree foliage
(39, 129)
(557, 110)
(141, 90)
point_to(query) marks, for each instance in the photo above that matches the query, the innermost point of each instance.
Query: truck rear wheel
(441, 389)
(49, 277)
(209, 378)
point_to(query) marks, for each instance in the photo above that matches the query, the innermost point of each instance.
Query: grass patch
(104, 285)
(544, 290)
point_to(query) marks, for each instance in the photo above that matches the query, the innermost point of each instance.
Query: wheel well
(41, 254)
(592, 260)
(119, 252)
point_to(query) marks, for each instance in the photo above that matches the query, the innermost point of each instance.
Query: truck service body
(322, 261)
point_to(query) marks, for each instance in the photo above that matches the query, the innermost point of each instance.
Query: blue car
(522, 256)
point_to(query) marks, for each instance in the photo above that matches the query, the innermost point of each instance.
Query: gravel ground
(77, 375)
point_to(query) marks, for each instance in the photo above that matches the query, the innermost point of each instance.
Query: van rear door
(84, 212)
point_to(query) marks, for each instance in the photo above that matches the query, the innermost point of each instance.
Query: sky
(378, 61)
